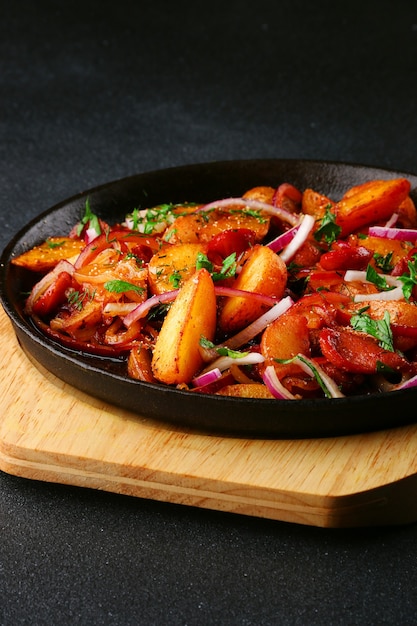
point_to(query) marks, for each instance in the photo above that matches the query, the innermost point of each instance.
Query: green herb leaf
(328, 230)
(206, 343)
(381, 368)
(316, 375)
(175, 279)
(202, 261)
(379, 281)
(380, 329)
(89, 219)
(228, 269)
(310, 365)
(77, 298)
(409, 280)
(54, 244)
(121, 286)
(222, 350)
(384, 262)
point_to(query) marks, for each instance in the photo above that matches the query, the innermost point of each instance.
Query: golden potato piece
(315, 204)
(264, 272)
(246, 390)
(202, 226)
(176, 356)
(44, 257)
(370, 203)
(262, 193)
(407, 213)
(380, 245)
(286, 337)
(172, 266)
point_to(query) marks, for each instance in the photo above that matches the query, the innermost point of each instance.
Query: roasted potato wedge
(47, 255)
(380, 246)
(172, 266)
(246, 390)
(264, 272)
(407, 213)
(283, 339)
(371, 202)
(202, 226)
(315, 204)
(261, 193)
(176, 356)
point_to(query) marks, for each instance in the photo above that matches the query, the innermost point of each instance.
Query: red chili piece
(229, 241)
(343, 256)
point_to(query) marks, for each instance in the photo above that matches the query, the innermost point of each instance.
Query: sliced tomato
(143, 252)
(319, 308)
(229, 241)
(324, 279)
(357, 352)
(53, 296)
(344, 256)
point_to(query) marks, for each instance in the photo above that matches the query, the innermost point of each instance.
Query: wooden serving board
(52, 432)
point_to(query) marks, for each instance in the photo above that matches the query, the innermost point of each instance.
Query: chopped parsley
(54, 244)
(89, 219)
(222, 350)
(155, 219)
(409, 280)
(121, 286)
(379, 281)
(251, 213)
(175, 279)
(380, 329)
(328, 230)
(227, 270)
(384, 262)
(78, 298)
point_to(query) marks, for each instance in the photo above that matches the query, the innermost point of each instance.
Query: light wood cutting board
(50, 431)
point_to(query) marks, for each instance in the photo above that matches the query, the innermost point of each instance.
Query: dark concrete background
(93, 91)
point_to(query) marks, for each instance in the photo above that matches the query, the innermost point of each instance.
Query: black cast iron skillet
(106, 378)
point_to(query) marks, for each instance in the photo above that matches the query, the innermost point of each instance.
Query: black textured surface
(92, 91)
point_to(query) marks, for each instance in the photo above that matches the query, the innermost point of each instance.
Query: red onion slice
(259, 324)
(398, 234)
(315, 371)
(90, 235)
(274, 384)
(391, 295)
(224, 362)
(300, 237)
(283, 240)
(257, 205)
(142, 309)
(207, 377)
(408, 384)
